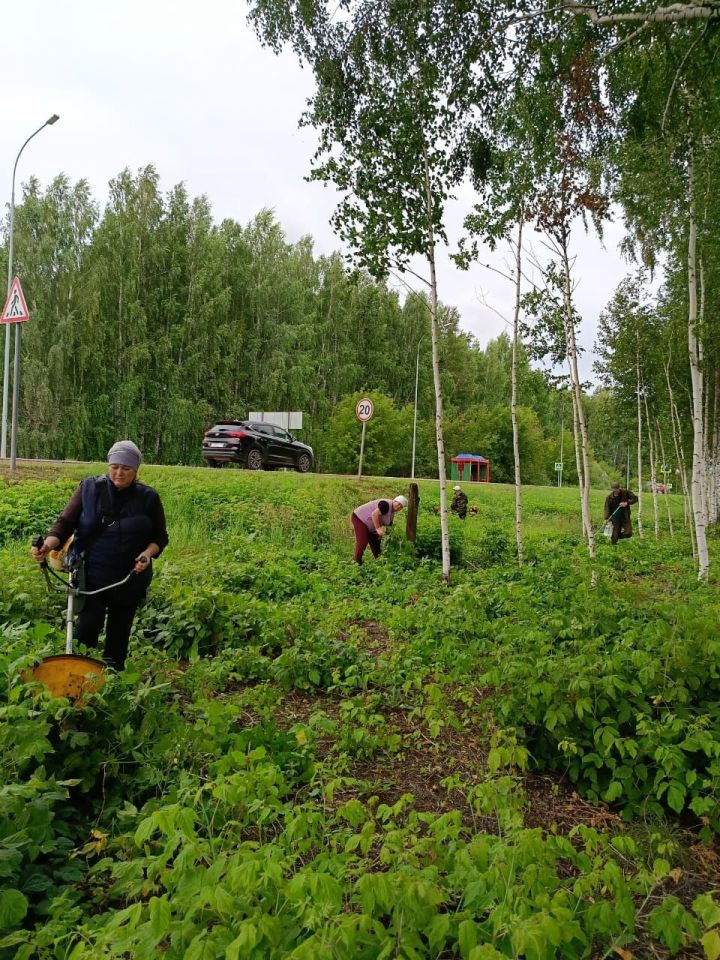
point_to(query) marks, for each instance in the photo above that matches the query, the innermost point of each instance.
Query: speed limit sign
(364, 409)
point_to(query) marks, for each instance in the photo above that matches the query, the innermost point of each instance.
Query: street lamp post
(6, 367)
(417, 377)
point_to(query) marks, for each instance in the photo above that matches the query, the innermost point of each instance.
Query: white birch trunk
(579, 411)
(665, 476)
(680, 455)
(706, 481)
(698, 462)
(714, 458)
(444, 528)
(639, 444)
(653, 470)
(513, 397)
(578, 458)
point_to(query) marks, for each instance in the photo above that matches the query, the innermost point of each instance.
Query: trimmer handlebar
(37, 542)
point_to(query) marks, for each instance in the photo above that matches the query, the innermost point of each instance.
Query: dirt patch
(370, 634)
(555, 805)
(299, 705)
(414, 772)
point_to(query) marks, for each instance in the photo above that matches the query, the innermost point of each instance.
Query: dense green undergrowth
(310, 759)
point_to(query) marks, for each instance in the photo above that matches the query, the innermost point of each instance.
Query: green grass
(306, 758)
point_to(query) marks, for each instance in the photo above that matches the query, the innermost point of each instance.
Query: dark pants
(364, 538)
(119, 607)
(622, 529)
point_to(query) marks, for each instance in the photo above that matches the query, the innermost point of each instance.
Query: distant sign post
(364, 410)
(559, 471)
(15, 311)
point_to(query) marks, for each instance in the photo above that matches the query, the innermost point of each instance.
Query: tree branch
(677, 76)
(671, 14)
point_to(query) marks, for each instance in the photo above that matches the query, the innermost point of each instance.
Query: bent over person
(459, 503)
(617, 510)
(119, 526)
(370, 522)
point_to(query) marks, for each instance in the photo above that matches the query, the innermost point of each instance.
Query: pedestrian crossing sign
(15, 310)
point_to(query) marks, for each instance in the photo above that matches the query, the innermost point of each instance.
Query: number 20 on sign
(363, 411)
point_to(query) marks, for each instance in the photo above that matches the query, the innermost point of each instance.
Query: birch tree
(482, 221)
(698, 486)
(568, 188)
(513, 400)
(391, 85)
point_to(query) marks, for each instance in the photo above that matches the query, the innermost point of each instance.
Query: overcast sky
(186, 86)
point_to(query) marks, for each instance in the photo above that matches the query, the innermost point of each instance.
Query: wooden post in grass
(412, 512)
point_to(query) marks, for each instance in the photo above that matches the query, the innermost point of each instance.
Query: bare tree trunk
(444, 528)
(667, 501)
(714, 459)
(579, 411)
(513, 399)
(578, 458)
(639, 443)
(706, 397)
(653, 472)
(698, 485)
(412, 512)
(680, 454)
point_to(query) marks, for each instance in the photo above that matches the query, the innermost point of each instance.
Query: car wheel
(303, 463)
(254, 459)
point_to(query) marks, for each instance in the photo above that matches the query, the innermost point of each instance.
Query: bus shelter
(470, 467)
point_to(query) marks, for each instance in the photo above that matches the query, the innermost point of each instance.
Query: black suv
(255, 445)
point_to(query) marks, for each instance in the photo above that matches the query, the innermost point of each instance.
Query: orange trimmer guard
(69, 675)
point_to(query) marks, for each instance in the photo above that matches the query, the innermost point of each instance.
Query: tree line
(151, 321)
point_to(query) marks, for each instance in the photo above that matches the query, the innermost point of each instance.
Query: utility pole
(6, 367)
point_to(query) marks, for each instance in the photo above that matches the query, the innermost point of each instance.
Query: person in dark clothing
(119, 526)
(617, 510)
(459, 503)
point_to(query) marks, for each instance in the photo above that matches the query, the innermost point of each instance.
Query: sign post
(6, 368)
(364, 410)
(15, 311)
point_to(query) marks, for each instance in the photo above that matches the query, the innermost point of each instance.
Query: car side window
(263, 428)
(282, 434)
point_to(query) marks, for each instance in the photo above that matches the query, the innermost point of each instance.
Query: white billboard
(288, 420)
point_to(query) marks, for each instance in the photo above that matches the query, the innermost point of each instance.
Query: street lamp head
(53, 119)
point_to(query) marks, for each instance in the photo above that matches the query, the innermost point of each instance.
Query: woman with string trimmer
(118, 525)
